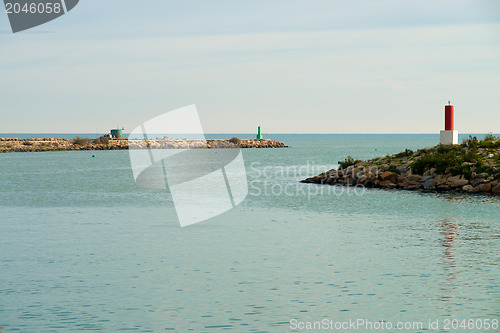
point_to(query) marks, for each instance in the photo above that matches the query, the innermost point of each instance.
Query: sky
(309, 66)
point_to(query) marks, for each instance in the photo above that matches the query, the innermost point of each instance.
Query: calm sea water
(83, 248)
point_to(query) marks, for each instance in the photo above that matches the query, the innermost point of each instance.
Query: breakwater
(472, 167)
(103, 143)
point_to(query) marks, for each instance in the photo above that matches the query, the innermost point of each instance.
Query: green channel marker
(259, 136)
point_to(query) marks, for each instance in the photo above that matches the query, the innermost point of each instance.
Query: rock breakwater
(102, 143)
(472, 167)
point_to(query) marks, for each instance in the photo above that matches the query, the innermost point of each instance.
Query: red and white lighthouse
(449, 136)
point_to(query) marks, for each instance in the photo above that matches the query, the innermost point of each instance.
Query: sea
(83, 248)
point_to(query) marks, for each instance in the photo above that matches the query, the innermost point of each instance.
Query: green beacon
(259, 135)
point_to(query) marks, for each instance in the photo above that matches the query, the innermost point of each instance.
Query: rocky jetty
(104, 143)
(167, 143)
(472, 167)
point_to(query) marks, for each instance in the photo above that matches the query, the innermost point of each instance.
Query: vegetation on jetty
(472, 167)
(105, 143)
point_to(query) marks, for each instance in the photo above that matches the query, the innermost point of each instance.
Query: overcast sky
(310, 66)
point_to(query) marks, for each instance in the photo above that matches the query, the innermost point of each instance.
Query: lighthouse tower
(449, 136)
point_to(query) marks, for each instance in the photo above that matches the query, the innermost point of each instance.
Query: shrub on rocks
(81, 141)
(348, 162)
(235, 140)
(406, 153)
(103, 140)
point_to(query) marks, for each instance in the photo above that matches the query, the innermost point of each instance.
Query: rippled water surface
(83, 248)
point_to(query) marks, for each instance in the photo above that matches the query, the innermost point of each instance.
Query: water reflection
(450, 234)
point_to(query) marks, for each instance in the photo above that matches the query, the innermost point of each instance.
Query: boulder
(429, 184)
(441, 179)
(443, 187)
(388, 175)
(355, 171)
(495, 189)
(425, 178)
(415, 178)
(470, 189)
(401, 178)
(369, 182)
(330, 181)
(477, 181)
(359, 175)
(353, 181)
(316, 179)
(403, 169)
(348, 169)
(430, 172)
(458, 181)
(387, 183)
(404, 183)
(485, 188)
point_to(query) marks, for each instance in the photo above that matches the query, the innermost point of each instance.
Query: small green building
(116, 133)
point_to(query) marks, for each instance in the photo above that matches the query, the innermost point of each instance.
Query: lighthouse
(449, 136)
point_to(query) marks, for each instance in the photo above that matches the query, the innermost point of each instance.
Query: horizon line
(231, 133)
